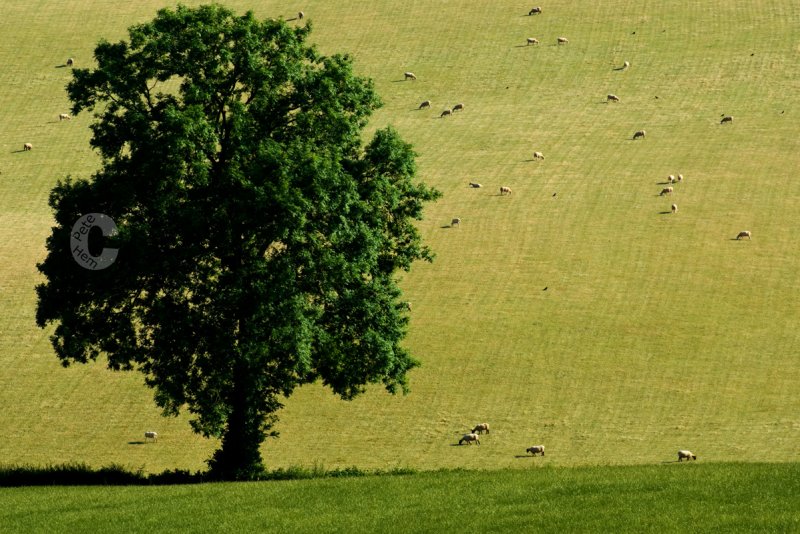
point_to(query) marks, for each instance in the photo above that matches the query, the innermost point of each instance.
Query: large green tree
(259, 237)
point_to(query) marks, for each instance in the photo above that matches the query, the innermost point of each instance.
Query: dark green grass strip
(671, 497)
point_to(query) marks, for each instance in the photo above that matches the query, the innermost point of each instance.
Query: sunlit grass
(667, 498)
(656, 331)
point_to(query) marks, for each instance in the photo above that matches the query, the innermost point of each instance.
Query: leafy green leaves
(258, 239)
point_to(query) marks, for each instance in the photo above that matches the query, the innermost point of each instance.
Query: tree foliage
(259, 238)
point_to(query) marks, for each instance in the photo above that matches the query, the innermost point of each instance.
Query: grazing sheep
(535, 11)
(458, 107)
(505, 190)
(64, 117)
(425, 104)
(446, 112)
(626, 65)
(300, 15)
(27, 146)
(743, 233)
(455, 222)
(70, 62)
(538, 155)
(674, 208)
(686, 455)
(533, 40)
(726, 118)
(481, 428)
(475, 185)
(151, 435)
(613, 98)
(640, 133)
(562, 40)
(536, 449)
(469, 438)
(671, 179)
(666, 191)
(409, 76)
(680, 177)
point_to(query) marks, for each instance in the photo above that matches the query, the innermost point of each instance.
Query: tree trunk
(239, 458)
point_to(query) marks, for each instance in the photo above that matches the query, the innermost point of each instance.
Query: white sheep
(481, 428)
(535, 11)
(613, 98)
(666, 191)
(680, 177)
(686, 455)
(27, 146)
(674, 208)
(151, 435)
(455, 222)
(742, 234)
(475, 185)
(562, 40)
(533, 40)
(640, 133)
(538, 155)
(409, 76)
(671, 179)
(425, 104)
(726, 118)
(64, 117)
(626, 65)
(300, 15)
(469, 438)
(70, 62)
(446, 113)
(504, 190)
(458, 107)
(536, 449)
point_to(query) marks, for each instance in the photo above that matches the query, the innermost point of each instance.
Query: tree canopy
(259, 238)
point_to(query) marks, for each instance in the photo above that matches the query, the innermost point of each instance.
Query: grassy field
(677, 498)
(656, 331)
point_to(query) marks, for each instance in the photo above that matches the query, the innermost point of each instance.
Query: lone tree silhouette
(259, 238)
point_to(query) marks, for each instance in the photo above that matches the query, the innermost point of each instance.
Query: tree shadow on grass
(79, 474)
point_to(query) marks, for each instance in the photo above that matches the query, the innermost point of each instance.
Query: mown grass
(669, 498)
(656, 332)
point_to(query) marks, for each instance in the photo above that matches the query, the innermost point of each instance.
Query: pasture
(578, 312)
